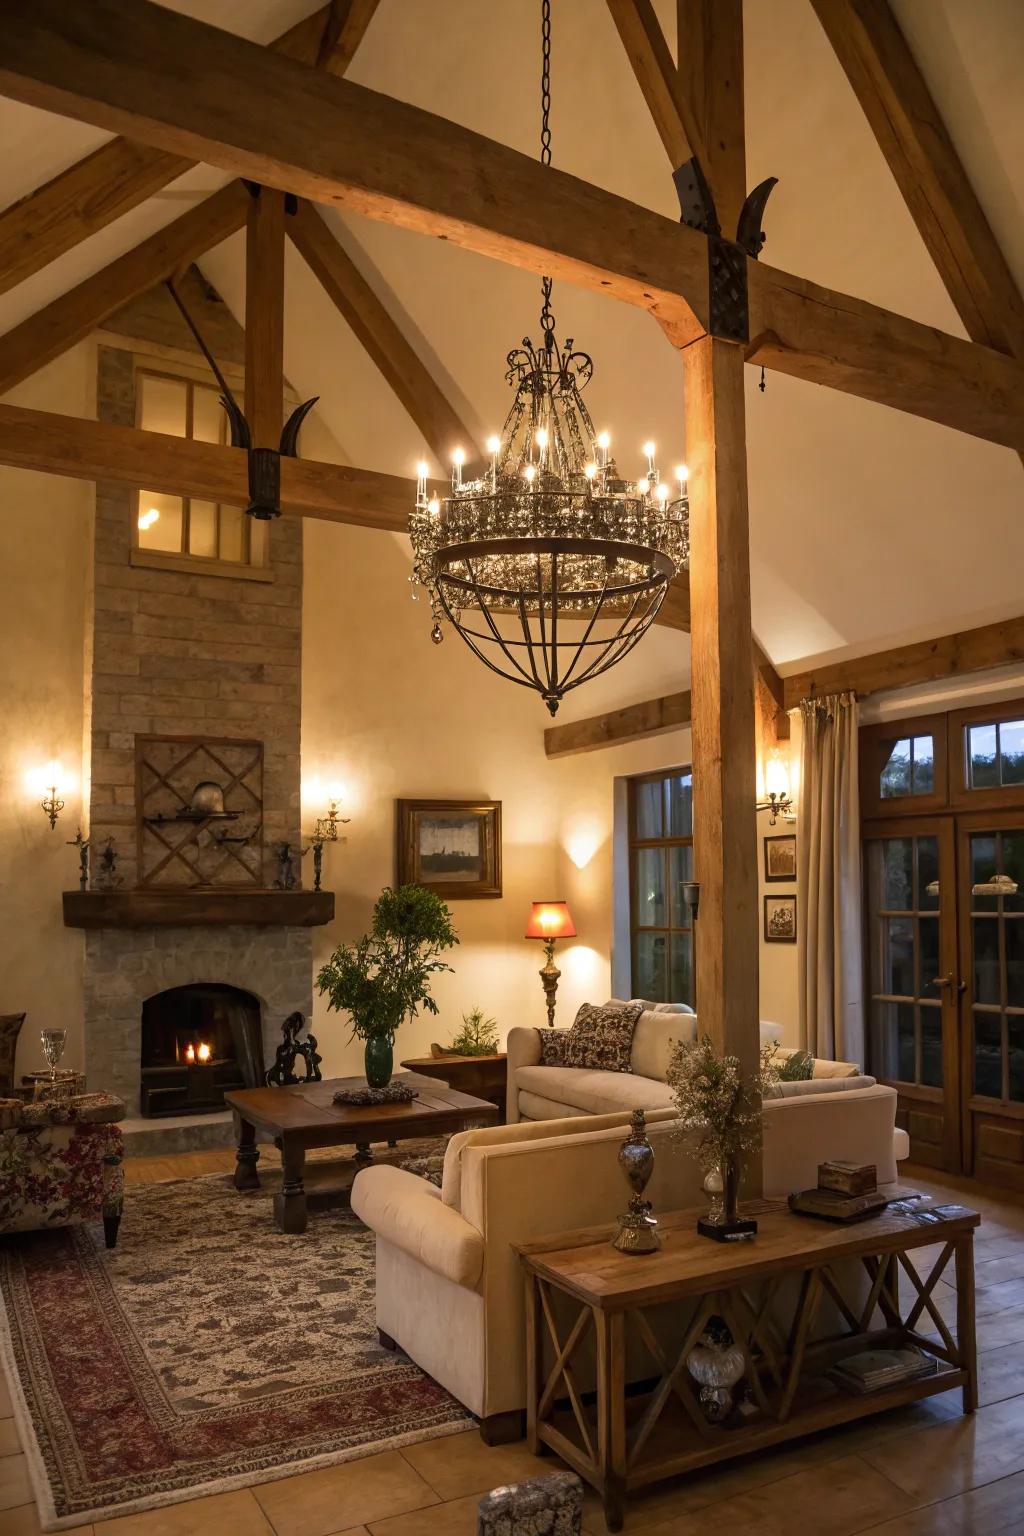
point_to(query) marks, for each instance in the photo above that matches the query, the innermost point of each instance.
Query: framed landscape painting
(780, 858)
(780, 919)
(452, 847)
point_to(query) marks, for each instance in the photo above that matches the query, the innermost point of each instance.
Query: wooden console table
(583, 1298)
(482, 1076)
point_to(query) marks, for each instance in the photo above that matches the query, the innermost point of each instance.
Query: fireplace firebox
(199, 1042)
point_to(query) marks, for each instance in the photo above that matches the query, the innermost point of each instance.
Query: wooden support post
(722, 699)
(264, 317)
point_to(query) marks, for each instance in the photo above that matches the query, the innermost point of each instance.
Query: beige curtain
(829, 910)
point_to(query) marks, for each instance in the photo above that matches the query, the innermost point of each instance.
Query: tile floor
(921, 1471)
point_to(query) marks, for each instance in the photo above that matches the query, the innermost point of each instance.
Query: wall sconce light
(49, 782)
(548, 921)
(325, 830)
(777, 801)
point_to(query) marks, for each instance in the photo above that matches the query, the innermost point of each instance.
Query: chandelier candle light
(549, 564)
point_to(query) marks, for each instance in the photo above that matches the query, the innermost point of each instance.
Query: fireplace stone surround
(182, 653)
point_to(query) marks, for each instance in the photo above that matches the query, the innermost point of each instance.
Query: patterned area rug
(207, 1352)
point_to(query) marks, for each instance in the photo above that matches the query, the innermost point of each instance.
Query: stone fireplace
(198, 1043)
(195, 670)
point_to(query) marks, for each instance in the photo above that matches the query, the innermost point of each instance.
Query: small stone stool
(544, 1506)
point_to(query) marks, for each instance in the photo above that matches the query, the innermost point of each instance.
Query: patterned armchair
(60, 1163)
(10, 1029)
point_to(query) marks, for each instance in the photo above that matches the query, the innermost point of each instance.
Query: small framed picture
(780, 919)
(452, 847)
(780, 858)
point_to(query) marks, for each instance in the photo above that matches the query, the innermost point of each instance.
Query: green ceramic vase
(379, 1057)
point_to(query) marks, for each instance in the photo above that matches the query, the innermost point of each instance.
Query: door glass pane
(905, 1042)
(983, 869)
(202, 528)
(1016, 1041)
(647, 799)
(651, 906)
(928, 874)
(679, 795)
(1011, 864)
(895, 778)
(898, 877)
(162, 405)
(931, 1045)
(923, 772)
(160, 521)
(928, 932)
(986, 960)
(207, 415)
(983, 766)
(681, 972)
(650, 970)
(883, 1040)
(898, 956)
(232, 539)
(988, 1055)
(680, 868)
(1011, 751)
(1013, 937)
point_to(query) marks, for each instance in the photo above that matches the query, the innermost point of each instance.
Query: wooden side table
(582, 1295)
(482, 1076)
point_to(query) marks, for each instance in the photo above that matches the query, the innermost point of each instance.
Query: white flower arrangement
(716, 1103)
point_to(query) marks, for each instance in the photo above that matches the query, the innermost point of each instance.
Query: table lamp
(548, 921)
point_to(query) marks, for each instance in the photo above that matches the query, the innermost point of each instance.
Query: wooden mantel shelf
(166, 908)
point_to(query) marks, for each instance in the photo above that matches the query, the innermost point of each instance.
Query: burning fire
(200, 1052)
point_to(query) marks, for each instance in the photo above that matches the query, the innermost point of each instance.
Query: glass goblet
(53, 1042)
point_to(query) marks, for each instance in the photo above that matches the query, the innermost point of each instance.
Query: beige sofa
(536, 1092)
(449, 1287)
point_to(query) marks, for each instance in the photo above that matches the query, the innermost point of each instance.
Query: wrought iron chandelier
(548, 563)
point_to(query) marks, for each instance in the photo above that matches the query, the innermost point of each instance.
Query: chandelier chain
(547, 319)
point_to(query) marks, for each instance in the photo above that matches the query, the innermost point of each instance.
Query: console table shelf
(587, 1305)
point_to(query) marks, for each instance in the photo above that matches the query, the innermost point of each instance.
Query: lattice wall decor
(199, 806)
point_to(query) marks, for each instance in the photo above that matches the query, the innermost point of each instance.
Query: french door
(945, 974)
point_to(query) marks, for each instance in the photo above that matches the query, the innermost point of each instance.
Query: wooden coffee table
(304, 1115)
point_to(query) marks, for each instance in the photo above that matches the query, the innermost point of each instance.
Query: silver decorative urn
(637, 1228)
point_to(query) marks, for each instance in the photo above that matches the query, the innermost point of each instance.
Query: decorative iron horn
(265, 463)
(749, 233)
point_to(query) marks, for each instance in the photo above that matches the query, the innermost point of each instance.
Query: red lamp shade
(550, 920)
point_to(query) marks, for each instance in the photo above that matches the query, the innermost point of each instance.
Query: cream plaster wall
(45, 543)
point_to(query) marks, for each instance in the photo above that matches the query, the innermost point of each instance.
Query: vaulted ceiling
(868, 526)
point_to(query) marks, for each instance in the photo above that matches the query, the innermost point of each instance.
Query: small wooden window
(660, 863)
(903, 766)
(987, 755)
(187, 525)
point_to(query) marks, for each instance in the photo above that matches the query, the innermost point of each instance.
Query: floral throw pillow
(602, 1036)
(554, 1046)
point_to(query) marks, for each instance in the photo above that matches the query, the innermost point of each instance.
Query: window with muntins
(660, 862)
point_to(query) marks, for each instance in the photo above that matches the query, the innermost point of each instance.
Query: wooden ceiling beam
(69, 319)
(119, 63)
(120, 175)
(264, 316)
(926, 661)
(401, 366)
(652, 717)
(913, 138)
(679, 126)
(93, 450)
(710, 74)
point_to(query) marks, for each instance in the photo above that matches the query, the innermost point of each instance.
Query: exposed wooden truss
(93, 450)
(120, 175)
(679, 126)
(380, 335)
(926, 661)
(264, 116)
(264, 316)
(652, 717)
(913, 137)
(710, 52)
(72, 317)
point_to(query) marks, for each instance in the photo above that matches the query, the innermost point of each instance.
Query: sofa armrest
(522, 1049)
(407, 1212)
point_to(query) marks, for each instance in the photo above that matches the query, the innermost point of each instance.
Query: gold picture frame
(451, 847)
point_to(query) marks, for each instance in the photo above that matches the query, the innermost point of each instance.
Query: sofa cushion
(554, 1047)
(654, 1039)
(594, 1092)
(533, 1108)
(821, 1066)
(817, 1085)
(601, 1037)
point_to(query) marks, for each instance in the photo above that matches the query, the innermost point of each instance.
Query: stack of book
(875, 1369)
(845, 1192)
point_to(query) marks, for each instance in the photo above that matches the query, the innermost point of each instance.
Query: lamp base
(549, 976)
(737, 1231)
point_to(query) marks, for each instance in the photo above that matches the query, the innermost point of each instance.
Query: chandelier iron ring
(659, 567)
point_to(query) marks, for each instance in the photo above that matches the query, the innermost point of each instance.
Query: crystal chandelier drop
(548, 563)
